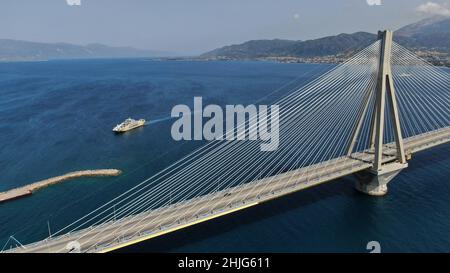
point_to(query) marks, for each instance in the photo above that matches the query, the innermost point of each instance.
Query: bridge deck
(143, 226)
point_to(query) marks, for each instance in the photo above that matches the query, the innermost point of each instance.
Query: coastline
(332, 60)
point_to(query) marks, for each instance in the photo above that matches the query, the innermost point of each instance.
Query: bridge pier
(374, 182)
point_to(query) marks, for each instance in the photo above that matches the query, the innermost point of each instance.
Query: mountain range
(430, 37)
(16, 50)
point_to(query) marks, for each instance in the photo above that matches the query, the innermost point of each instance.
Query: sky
(190, 27)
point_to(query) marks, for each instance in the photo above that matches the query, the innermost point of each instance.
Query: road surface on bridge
(130, 230)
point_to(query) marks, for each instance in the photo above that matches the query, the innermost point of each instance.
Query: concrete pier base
(374, 182)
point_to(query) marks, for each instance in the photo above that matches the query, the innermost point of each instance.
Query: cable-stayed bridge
(366, 117)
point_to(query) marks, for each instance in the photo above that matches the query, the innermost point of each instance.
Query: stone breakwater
(30, 188)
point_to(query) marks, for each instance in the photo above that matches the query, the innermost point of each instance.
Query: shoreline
(28, 190)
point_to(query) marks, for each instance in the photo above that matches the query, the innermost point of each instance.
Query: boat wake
(158, 120)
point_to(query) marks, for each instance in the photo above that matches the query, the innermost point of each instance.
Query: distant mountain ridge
(16, 50)
(432, 34)
(330, 45)
(430, 38)
(253, 49)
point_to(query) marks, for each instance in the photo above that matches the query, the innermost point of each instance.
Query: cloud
(73, 2)
(374, 2)
(432, 8)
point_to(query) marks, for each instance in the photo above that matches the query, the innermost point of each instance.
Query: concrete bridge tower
(374, 181)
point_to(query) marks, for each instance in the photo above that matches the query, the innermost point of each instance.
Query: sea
(57, 117)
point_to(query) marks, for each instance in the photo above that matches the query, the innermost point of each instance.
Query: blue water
(57, 116)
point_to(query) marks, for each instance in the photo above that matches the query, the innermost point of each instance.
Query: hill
(430, 33)
(331, 45)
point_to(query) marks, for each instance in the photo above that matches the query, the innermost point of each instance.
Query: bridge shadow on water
(430, 157)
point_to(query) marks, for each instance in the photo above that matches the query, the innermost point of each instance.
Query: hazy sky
(195, 26)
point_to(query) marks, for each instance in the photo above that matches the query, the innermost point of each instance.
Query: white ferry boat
(128, 124)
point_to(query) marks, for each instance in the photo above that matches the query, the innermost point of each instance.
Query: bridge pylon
(374, 181)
